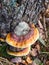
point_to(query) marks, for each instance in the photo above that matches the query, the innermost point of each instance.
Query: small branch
(40, 24)
(44, 24)
(44, 52)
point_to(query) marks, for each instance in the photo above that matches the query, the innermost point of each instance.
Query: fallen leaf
(38, 47)
(16, 60)
(33, 52)
(37, 61)
(29, 60)
(47, 62)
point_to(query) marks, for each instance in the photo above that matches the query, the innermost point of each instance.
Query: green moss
(3, 52)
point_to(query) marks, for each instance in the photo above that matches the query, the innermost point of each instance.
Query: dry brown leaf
(16, 60)
(29, 60)
(38, 47)
(47, 62)
(17, 64)
(24, 62)
(33, 52)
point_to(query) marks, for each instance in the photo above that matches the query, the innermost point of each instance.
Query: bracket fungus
(21, 39)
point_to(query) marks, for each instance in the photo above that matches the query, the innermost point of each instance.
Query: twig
(41, 29)
(44, 24)
(44, 52)
(40, 24)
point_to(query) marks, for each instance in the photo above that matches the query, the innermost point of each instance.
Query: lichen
(22, 28)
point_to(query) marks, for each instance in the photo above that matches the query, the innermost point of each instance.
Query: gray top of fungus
(22, 28)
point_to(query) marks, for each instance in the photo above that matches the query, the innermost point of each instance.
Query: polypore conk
(22, 28)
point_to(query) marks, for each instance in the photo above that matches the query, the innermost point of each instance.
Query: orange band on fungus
(20, 53)
(34, 35)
